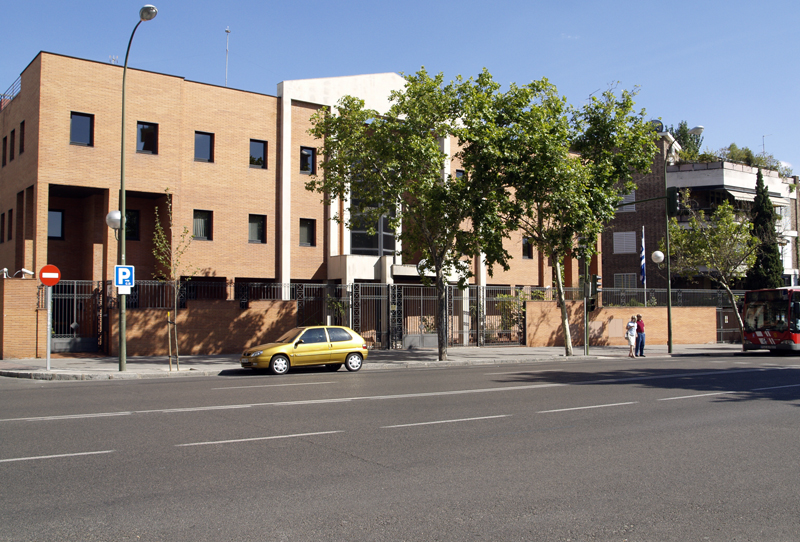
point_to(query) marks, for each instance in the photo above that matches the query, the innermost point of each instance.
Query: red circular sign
(49, 275)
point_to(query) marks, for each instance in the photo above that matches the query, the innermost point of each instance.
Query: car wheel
(333, 367)
(353, 362)
(279, 365)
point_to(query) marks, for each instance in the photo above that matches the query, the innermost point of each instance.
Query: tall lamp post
(147, 13)
(697, 130)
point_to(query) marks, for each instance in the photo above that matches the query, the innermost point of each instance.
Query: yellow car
(332, 346)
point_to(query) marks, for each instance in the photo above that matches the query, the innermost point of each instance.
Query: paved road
(669, 449)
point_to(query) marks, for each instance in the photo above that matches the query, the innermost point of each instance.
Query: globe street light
(147, 13)
(697, 130)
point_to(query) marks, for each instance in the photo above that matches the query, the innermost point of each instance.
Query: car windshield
(290, 335)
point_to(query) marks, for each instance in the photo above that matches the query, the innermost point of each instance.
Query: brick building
(709, 184)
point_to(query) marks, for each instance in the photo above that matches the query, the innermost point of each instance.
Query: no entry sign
(49, 275)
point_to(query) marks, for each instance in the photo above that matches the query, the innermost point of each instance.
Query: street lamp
(697, 130)
(147, 13)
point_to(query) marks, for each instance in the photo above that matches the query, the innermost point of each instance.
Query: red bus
(772, 319)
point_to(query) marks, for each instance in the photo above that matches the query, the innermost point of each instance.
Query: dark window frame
(61, 226)
(210, 220)
(460, 174)
(11, 143)
(139, 142)
(132, 224)
(312, 162)
(10, 224)
(5, 145)
(264, 146)
(313, 225)
(263, 220)
(73, 129)
(210, 136)
(527, 249)
(2, 227)
(21, 137)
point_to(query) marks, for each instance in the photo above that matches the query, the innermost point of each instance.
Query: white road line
(587, 407)
(445, 421)
(256, 438)
(698, 395)
(55, 456)
(273, 385)
(777, 387)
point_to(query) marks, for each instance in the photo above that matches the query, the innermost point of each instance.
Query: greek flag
(642, 273)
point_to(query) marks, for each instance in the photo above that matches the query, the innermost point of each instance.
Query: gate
(77, 315)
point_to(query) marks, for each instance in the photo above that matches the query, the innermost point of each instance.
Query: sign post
(49, 275)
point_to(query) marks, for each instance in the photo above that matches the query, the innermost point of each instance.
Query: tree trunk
(441, 314)
(739, 322)
(562, 302)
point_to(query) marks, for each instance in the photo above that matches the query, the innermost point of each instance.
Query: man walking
(639, 336)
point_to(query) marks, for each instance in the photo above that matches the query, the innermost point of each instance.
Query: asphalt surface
(89, 367)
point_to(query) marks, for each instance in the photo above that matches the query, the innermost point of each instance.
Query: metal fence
(619, 297)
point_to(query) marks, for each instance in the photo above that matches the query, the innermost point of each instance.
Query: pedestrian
(630, 335)
(639, 336)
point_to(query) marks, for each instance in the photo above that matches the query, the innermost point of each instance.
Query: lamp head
(658, 256)
(148, 13)
(114, 220)
(697, 130)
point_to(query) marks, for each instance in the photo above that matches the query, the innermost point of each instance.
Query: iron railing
(11, 93)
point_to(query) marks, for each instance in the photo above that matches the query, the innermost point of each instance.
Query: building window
(81, 131)
(308, 162)
(131, 225)
(628, 198)
(527, 249)
(460, 174)
(11, 144)
(147, 137)
(55, 224)
(10, 223)
(308, 237)
(626, 280)
(203, 225)
(258, 154)
(2, 227)
(257, 229)
(22, 137)
(203, 147)
(625, 242)
(5, 143)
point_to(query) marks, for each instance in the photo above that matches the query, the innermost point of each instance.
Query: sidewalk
(89, 367)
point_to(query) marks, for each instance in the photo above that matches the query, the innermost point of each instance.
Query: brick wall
(19, 319)
(690, 325)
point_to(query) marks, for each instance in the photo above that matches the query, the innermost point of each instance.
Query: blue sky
(731, 66)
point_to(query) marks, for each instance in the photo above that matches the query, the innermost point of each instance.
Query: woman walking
(630, 334)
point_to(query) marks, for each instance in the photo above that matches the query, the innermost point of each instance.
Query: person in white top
(630, 334)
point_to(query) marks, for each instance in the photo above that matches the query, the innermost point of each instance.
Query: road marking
(698, 395)
(257, 438)
(445, 421)
(273, 385)
(55, 456)
(587, 407)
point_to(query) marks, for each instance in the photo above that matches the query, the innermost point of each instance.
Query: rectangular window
(308, 232)
(22, 137)
(257, 229)
(2, 227)
(626, 280)
(131, 225)
(203, 147)
(459, 174)
(625, 242)
(628, 198)
(55, 224)
(11, 144)
(10, 223)
(81, 131)
(258, 154)
(527, 249)
(308, 162)
(5, 143)
(147, 137)
(203, 224)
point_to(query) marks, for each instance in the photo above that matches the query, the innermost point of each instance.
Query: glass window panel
(256, 229)
(81, 129)
(131, 225)
(147, 137)
(203, 147)
(202, 225)
(55, 224)
(307, 233)
(307, 160)
(258, 153)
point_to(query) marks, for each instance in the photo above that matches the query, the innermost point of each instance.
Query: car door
(341, 344)
(312, 347)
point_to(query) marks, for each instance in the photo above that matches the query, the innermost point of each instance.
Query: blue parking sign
(123, 275)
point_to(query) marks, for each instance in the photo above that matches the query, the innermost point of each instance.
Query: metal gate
(76, 315)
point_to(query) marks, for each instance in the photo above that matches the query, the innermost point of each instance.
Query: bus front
(772, 319)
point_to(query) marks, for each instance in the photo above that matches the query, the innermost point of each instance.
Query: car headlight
(256, 353)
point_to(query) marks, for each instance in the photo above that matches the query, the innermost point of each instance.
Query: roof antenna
(227, 40)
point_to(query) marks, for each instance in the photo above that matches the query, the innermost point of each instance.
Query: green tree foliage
(743, 155)
(690, 143)
(563, 165)
(393, 166)
(721, 247)
(767, 272)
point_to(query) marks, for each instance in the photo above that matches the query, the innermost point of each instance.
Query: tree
(392, 167)
(767, 272)
(743, 155)
(564, 166)
(690, 143)
(169, 250)
(721, 247)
